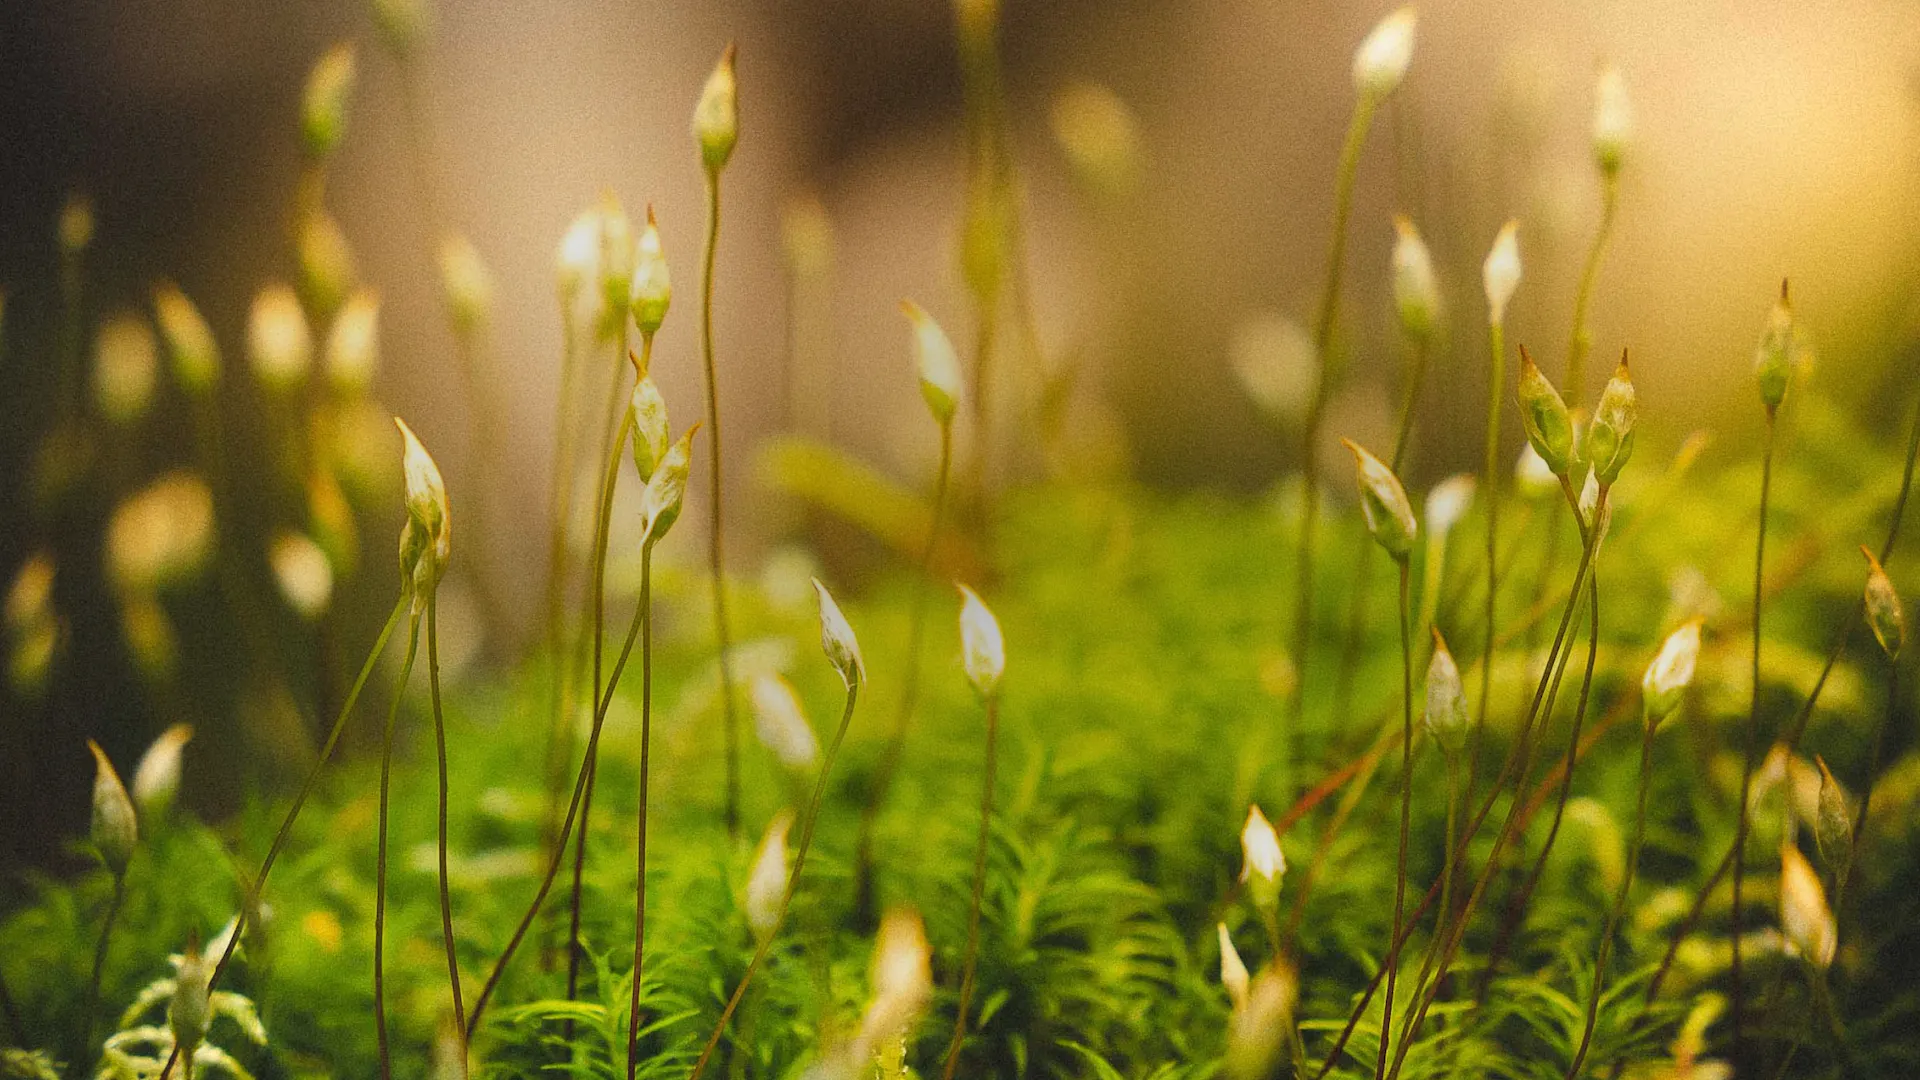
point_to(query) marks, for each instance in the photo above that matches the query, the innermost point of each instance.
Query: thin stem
(1753, 741)
(380, 865)
(717, 541)
(1490, 494)
(1582, 339)
(1619, 904)
(909, 688)
(971, 964)
(1866, 784)
(560, 730)
(793, 883)
(100, 960)
(1406, 817)
(440, 747)
(646, 745)
(1356, 138)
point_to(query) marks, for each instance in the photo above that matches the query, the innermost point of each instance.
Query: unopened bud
(1805, 919)
(939, 364)
(1609, 439)
(1544, 415)
(652, 288)
(196, 357)
(618, 254)
(467, 283)
(578, 257)
(1381, 60)
(651, 435)
(161, 534)
(1258, 1030)
(327, 270)
(1500, 274)
(983, 652)
(1612, 120)
(278, 342)
(1773, 359)
(125, 368)
(1233, 970)
(115, 830)
(666, 489)
(323, 110)
(1383, 502)
(353, 345)
(426, 540)
(302, 572)
(157, 779)
(716, 119)
(190, 1011)
(1262, 864)
(1446, 717)
(902, 980)
(767, 882)
(781, 722)
(1416, 294)
(1884, 611)
(1665, 683)
(1833, 825)
(837, 640)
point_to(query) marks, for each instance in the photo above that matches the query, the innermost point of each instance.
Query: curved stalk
(1619, 905)
(100, 960)
(1406, 817)
(971, 964)
(793, 882)
(717, 540)
(1737, 990)
(1490, 493)
(440, 747)
(1582, 339)
(380, 871)
(646, 745)
(560, 730)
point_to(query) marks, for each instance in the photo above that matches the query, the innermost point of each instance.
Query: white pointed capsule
(1262, 864)
(279, 344)
(1233, 970)
(983, 652)
(1833, 824)
(1884, 611)
(156, 781)
(837, 640)
(652, 285)
(781, 722)
(1666, 680)
(666, 490)
(190, 1011)
(115, 829)
(1500, 274)
(1773, 357)
(939, 365)
(1446, 717)
(767, 882)
(1805, 919)
(650, 428)
(1612, 119)
(1416, 292)
(1381, 60)
(1383, 502)
(426, 542)
(902, 979)
(716, 119)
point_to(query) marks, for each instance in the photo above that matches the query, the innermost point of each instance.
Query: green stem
(717, 541)
(440, 747)
(1753, 743)
(1490, 495)
(1582, 339)
(909, 689)
(793, 882)
(1619, 904)
(1406, 818)
(646, 745)
(100, 961)
(560, 729)
(971, 963)
(380, 865)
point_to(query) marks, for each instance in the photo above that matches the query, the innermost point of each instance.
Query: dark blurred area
(1774, 140)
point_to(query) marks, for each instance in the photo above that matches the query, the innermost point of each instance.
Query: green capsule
(1543, 413)
(1609, 440)
(1773, 360)
(1384, 503)
(1884, 613)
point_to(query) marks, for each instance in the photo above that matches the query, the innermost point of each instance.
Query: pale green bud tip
(115, 830)
(652, 287)
(1884, 611)
(426, 541)
(1544, 415)
(279, 342)
(767, 881)
(1233, 970)
(983, 652)
(1416, 293)
(190, 1012)
(1773, 359)
(1609, 439)
(157, 779)
(650, 427)
(1381, 61)
(1500, 274)
(327, 270)
(1383, 502)
(196, 357)
(126, 366)
(1446, 699)
(578, 257)
(1805, 919)
(1666, 680)
(323, 111)
(1833, 824)
(837, 640)
(716, 119)
(939, 364)
(466, 281)
(1612, 120)
(1261, 862)
(666, 489)
(353, 345)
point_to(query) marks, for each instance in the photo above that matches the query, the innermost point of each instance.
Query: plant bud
(666, 489)
(196, 357)
(115, 829)
(1665, 683)
(1544, 414)
(125, 368)
(1833, 825)
(716, 119)
(767, 882)
(939, 365)
(781, 722)
(467, 283)
(651, 434)
(323, 110)
(652, 288)
(76, 225)
(302, 572)
(1805, 920)
(1383, 502)
(1446, 717)
(1884, 613)
(1609, 438)
(837, 640)
(983, 653)
(353, 345)
(618, 255)
(190, 1012)
(1233, 970)
(1500, 274)
(1257, 1031)
(1773, 360)
(1381, 60)
(278, 342)
(161, 535)
(1416, 294)
(1099, 137)
(327, 270)
(578, 257)
(157, 779)
(1612, 120)
(902, 979)
(150, 637)
(1262, 864)
(426, 541)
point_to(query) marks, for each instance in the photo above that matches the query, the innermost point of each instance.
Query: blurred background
(1175, 166)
